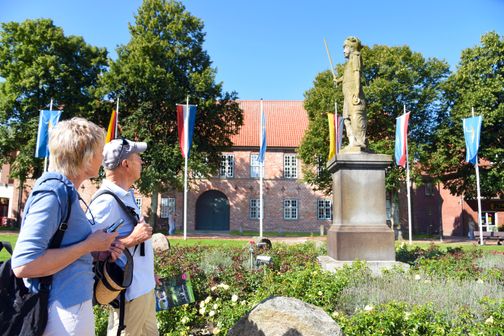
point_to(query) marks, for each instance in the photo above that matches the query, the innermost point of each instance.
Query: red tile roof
(286, 122)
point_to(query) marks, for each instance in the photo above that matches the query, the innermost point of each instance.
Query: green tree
(163, 63)
(478, 82)
(37, 63)
(392, 76)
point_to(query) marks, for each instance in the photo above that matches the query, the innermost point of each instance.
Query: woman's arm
(54, 260)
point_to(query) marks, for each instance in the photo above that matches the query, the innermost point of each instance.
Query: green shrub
(445, 293)
(399, 319)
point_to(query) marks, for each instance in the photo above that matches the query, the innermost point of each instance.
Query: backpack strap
(45, 282)
(7, 246)
(122, 302)
(130, 212)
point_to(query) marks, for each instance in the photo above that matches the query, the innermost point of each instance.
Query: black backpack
(22, 312)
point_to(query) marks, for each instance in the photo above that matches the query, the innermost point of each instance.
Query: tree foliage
(163, 63)
(478, 82)
(392, 77)
(37, 63)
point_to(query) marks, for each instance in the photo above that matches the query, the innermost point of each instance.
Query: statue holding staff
(354, 104)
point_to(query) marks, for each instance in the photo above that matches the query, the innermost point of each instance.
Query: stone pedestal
(359, 229)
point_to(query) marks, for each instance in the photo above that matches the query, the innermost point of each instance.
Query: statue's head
(353, 43)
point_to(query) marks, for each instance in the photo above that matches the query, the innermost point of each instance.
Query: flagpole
(186, 141)
(336, 128)
(117, 119)
(45, 159)
(476, 166)
(261, 173)
(408, 187)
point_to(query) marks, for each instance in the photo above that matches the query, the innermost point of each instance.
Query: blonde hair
(72, 145)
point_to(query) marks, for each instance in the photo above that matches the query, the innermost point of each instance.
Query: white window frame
(255, 208)
(324, 209)
(226, 169)
(167, 205)
(291, 209)
(255, 166)
(290, 166)
(139, 201)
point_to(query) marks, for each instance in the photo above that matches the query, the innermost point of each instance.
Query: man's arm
(140, 233)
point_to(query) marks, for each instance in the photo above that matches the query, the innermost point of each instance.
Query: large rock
(284, 316)
(160, 243)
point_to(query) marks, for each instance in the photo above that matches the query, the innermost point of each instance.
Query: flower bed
(445, 292)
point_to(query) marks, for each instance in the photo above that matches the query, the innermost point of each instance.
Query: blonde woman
(75, 148)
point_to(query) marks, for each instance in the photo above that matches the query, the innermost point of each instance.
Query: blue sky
(273, 49)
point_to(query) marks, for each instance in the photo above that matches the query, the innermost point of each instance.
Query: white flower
(223, 286)
(212, 313)
(319, 293)
(234, 298)
(208, 299)
(184, 320)
(479, 281)
(213, 288)
(202, 311)
(417, 277)
(202, 304)
(368, 308)
(407, 315)
(335, 314)
(215, 306)
(489, 320)
(215, 331)
(243, 302)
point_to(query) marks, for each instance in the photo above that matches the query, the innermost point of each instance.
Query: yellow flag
(332, 138)
(111, 132)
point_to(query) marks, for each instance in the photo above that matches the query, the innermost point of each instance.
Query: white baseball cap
(119, 149)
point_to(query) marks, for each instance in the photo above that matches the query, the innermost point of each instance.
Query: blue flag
(47, 120)
(262, 149)
(472, 128)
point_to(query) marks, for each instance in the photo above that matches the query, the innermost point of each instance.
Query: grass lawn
(240, 242)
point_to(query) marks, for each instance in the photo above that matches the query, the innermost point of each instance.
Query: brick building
(230, 201)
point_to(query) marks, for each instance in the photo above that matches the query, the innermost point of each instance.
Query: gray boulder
(160, 243)
(284, 316)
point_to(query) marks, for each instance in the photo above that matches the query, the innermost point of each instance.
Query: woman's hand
(100, 240)
(115, 250)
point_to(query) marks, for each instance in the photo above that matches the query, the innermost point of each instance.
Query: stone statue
(354, 104)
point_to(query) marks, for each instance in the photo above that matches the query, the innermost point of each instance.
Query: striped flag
(186, 115)
(338, 125)
(47, 120)
(335, 134)
(262, 140)
(472, 129)
(112, 127)
(401, 139)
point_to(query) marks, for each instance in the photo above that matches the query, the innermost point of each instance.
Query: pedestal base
(377, 267)
(361, 243)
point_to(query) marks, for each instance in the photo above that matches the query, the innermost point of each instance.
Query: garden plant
(445, 292)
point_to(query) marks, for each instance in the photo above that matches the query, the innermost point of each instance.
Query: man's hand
(157, 278)
(140, 233)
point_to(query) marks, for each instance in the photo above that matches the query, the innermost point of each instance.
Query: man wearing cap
(123, 165)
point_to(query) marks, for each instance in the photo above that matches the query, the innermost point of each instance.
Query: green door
(212, 211)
